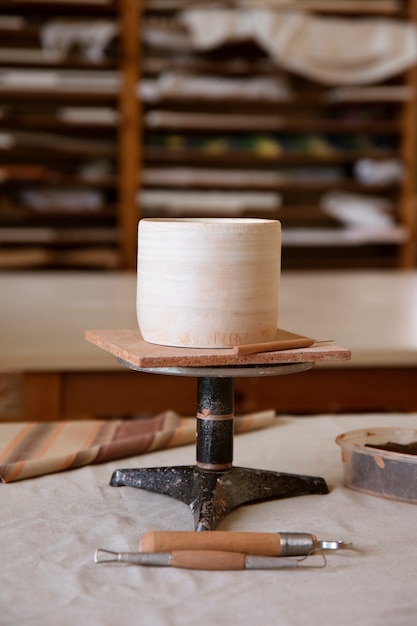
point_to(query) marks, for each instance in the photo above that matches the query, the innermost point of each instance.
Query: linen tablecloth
(51, 526)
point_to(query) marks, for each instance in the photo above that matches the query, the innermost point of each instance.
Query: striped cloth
(34, 448)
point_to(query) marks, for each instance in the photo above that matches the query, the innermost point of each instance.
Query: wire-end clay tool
(207, 560)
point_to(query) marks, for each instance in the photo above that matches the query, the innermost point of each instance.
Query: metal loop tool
(208, 560)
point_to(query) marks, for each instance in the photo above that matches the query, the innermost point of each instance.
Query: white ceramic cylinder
(208, 282)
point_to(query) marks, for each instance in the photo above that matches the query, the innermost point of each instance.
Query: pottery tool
(202, 560)
(284, 341)
(273, 346)
(262, 544)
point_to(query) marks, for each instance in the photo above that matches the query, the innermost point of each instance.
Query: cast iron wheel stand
(213, 486)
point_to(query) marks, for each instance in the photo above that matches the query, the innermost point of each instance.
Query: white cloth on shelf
(373, 172)
(358, 210)
(179, 84)
(88, 115)
(63, 199)
(161, 36)
(91, 36)
(189, 176)
(216, 202)
(193, 176)
(330, 50)
(346, 236)
(88, 81)
(228, 121)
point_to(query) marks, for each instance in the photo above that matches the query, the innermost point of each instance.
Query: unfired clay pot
(208, 283)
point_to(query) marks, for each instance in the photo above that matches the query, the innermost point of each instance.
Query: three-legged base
(212, 495)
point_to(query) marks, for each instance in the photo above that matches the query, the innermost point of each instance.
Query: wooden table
(44, 316)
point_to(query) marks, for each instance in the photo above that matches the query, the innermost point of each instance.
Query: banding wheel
(214, 486)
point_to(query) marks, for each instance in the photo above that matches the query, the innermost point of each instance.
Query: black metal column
(215, 407)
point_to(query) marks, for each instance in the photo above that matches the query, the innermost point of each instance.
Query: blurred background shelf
(61, 86)
(220, 115)
(116, 110)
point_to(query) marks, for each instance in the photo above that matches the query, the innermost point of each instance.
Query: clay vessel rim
(211, 221)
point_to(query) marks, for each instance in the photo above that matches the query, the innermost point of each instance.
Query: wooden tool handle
(273, 346)
(262, 544)
(207, 560)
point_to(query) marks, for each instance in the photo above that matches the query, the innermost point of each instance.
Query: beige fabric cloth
(51, 526)
(334, 51)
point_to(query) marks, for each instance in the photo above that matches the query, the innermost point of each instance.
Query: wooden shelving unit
(90, 143)
(63, 128)
(307, 144)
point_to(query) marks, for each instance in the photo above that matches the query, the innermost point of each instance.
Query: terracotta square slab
(129, 346)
